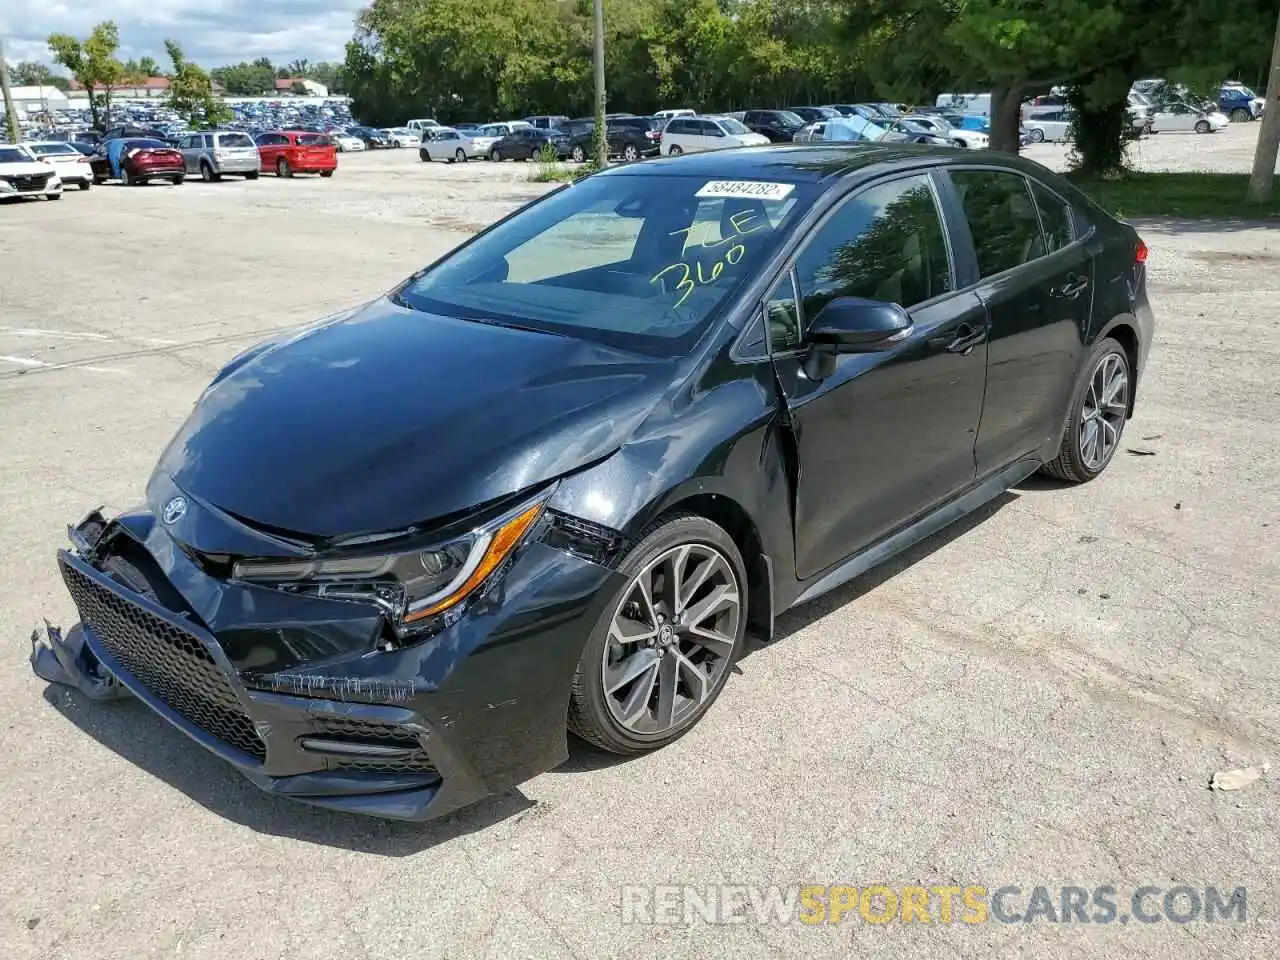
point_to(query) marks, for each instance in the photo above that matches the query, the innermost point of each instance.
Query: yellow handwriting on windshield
(690, 277)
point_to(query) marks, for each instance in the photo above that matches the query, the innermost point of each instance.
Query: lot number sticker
(746, 188)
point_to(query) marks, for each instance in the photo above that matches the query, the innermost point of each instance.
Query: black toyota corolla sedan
(559, 479)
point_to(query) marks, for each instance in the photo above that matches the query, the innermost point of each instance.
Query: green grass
(1208, 196)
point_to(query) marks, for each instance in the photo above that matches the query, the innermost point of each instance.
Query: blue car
(1239, 103)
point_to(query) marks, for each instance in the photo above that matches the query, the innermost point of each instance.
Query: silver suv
(222, 151)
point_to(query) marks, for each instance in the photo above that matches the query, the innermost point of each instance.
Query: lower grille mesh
(170, 662)
(381, 734)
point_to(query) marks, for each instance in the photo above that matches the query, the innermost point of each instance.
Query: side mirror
(855, 325)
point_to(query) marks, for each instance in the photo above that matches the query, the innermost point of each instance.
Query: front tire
(674, 150)
(662, 652)
(85, 184)
(630, 153)
(251, 176)
(1097, 416)
(495, 155)
(282, 168)
(128, 179)
(460, 155)
(578, 155)
(1202, 126)
(207, 173)
(1037, 135)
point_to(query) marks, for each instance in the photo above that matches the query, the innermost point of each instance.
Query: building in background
(37, 99)
(287, 84)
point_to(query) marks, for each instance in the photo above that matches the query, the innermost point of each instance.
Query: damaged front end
(311, 691)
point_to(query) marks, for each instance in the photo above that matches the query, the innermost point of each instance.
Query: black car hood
(388, 417)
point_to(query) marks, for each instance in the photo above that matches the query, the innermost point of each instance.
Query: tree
(298, 88)
(247, 79)
(30, 73)
(191, 92)
(1262, 180)
(93, 63)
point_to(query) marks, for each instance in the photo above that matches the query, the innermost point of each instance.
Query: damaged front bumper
(300, 694)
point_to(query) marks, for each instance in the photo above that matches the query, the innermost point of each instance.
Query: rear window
(312, 140)
(145, 145)
(234, 140)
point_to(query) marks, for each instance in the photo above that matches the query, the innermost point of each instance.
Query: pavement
(1036, 697)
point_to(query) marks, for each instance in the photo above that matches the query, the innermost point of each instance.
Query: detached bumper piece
(357, 757)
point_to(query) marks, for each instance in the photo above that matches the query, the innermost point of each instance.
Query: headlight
(412, 586)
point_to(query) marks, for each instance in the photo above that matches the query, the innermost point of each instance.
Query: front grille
(170, 662)
(28, 182)
(380, 734)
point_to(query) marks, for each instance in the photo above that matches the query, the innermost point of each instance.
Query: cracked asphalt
(1036, 697)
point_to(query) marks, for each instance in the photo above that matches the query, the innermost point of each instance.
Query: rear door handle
(1073, 288)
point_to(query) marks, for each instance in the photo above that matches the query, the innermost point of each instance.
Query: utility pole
(1264, 156)
(601, 137)
(15, 130)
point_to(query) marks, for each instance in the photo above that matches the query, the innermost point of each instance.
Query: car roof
(819, 162)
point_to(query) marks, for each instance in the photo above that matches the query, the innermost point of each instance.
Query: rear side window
(1055, 218)
(312, 140)
(1001, 218)
(885, 243)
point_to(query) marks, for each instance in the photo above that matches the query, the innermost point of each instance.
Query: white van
(424, 123)
(977, 103)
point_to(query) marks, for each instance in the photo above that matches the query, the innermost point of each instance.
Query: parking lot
(1036, 697)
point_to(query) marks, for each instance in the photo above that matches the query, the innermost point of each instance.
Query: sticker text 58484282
(758, 189)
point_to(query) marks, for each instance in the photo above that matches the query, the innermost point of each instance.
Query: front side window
(1001, 217)
(885, 243)
(638, 262)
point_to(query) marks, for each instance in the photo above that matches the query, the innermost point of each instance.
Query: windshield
(13, 155)
(940, 123)
(794, 119)
(1241, 91)
(53, 149)
(732, 126)
(634, 261)
(911, 126)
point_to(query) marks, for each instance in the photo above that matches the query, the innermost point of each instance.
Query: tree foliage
(31, 73)
(191, 92)
(94, 64)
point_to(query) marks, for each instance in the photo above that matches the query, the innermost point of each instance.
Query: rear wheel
(85, 184)
(662, 652)
(674, 150)
(252, 175)
(177, 181)
(282, 168)
(578, 155)
(1097, 416)
(128, 179)
(495, 155)
(208, 174)
(1241, 115)
(326, 173)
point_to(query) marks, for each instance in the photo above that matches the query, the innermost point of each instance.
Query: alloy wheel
(631, 153)
(460, 155)
(1037, 135)
(671, 639)
(1106, 405)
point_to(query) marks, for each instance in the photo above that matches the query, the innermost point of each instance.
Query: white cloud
(212, 32)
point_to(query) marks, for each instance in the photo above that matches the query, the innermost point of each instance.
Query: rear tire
(326, 174)
(495, 155)
(686, 550)
(1241, 115)
(251, 176)
(85, 184)
(674, 150)
(128, 178)
(1079, 461)
(578, 155)
(630, 153)
(177, 181)
(208, 174)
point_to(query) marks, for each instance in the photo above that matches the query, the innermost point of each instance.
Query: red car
(141, 159)
(287, 152)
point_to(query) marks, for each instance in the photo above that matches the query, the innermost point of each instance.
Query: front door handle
(1073, 287)
(962, 339)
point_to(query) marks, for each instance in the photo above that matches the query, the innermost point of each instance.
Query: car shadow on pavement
(131, 730)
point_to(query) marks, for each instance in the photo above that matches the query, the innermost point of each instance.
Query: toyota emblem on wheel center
(174, 510)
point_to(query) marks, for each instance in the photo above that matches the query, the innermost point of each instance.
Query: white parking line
(32, 364)
(55, 334)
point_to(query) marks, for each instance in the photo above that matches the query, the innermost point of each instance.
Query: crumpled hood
(389, 417)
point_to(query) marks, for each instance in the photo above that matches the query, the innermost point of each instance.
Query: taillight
(1140, 252)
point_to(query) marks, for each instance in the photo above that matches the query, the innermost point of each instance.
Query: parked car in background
(525, 143)
(286, 152)
(939, 124)
(1183, 118)
(546, 121)
(141, 160)
(1052, 125)
(814, 114)
(133, 130)
(373, 138)
(632, 137)
(975, 103)
(811, 132)
(695, 134)
(72, 166)
(211, 155)
(913, 132)
(780, 126)
(581, 134)
(403, 137)
(1239, 103)
(346, 142)
(422, 123)
(678, 112)
(22, 175)
(467, 127)
(445, 143)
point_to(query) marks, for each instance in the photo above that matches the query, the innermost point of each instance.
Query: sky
(211, 32)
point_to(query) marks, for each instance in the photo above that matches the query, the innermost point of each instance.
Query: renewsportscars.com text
(879, 904)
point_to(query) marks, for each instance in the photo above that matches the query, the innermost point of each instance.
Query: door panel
(884, 436)
(1037, 286)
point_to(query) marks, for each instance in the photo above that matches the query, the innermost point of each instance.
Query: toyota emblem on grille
(174, 510)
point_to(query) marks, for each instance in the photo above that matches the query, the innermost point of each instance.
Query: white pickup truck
(424, 123)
